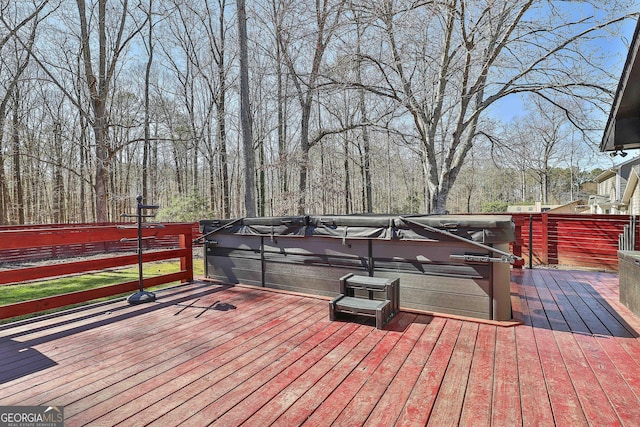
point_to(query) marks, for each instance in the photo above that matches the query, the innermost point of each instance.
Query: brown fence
(19, 243)
(589, 241)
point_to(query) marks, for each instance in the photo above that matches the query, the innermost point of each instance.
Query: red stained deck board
(75, 342)
(561, 393)
(622, 398)
(448, 404)
(506, 410)
(249, 403)
(571, 316)
(623, 357)
(390, 403)
(376, 385)
(290, 394)
(110, 340)
(134, 369)
(476, 411)
(535, 310)
(420, 402)
(334, 404)
(118, 395)
(536, 410)
(272, 364)
(181, 379)
(592, 397)
(299, 411)
(138, 355)
(601, 321)
(554, 315)
(262, 365)
(225, 374)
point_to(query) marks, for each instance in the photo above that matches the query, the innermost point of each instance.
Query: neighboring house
(577, 206)
(618, 190)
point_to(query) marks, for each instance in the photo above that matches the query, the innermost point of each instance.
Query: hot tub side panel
(312, 265)
(430, 281)
(234, 259)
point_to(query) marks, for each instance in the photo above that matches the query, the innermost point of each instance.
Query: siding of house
(634, 203)
(607, 188)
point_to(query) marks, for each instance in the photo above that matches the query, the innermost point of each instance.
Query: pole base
(141, 297)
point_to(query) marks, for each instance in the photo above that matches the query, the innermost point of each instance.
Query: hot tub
(455, 264)
(629, 271)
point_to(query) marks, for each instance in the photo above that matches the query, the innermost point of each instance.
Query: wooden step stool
(357, 298)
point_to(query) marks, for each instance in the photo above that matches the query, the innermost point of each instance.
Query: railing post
(544, 254)
(516, 247)
(186, 261)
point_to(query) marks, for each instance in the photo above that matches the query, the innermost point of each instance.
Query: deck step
(382, 308)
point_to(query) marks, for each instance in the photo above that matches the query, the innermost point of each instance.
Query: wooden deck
(210, 354)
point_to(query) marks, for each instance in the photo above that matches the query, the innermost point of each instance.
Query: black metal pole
(140, 277)
(142, 295)
(530, 242)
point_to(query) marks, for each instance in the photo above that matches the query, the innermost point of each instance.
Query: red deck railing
(588, 241)
(170, 242)
(555, 239)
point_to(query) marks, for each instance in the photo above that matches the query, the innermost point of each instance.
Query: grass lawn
(10, 294)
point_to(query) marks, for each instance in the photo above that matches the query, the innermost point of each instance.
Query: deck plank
(419, 404)
(561, 393)
(475, 411)
(592, 397)
(290, 394)
(448, 405)
(536, 409)
(505, 408)
(112, 357)
(552, 310)
(391, 402)
(622, 398)
(130, 361)
(306, 405)
(376, 385)
(335, 403)
(151, 385)
(226, 373)
(274, 358)
(244, 402)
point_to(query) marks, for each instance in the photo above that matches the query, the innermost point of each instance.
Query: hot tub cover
(477, 228)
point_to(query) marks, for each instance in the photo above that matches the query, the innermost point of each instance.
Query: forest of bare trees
(228, 108)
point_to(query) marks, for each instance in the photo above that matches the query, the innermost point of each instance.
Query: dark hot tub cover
(477, 228)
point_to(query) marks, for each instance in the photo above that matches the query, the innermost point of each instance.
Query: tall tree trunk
(99, 88)
(4, 189)
(147, 109)
(222, 129)
(348, 199)
(262, 187)
(58, 181)
(368, 196)
(17, 177)
(245, 114)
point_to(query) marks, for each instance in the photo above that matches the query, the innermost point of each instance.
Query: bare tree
(245, 115)
(98, 78)
(11, 73)
(447, 62)
(326, 17)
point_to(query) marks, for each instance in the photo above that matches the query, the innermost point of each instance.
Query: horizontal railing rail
(117, 236)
